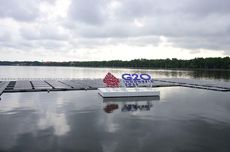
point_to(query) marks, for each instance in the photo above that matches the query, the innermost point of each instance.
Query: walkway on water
(93, 84)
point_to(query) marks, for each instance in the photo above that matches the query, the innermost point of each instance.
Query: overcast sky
(79, 30)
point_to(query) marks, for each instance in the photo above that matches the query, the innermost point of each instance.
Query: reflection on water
(137, 107)
(184, 119)
(109, 108)
(129, 104)
(211, 74)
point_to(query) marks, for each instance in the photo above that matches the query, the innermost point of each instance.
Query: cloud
(97, 27)
(157, 18)
(189, 24)
(26, 10)
(207, 7)
(5, 36)
(88, 11)
(44, 32)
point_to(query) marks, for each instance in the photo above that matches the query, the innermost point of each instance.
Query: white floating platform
(128, 92)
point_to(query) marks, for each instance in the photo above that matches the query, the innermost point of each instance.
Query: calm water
(182, 120)
(33, 72)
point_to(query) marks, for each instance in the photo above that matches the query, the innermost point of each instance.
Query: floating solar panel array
(3, 85)
(200, 84)
(93, 84)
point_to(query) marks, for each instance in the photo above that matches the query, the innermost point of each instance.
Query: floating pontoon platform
(127, 92)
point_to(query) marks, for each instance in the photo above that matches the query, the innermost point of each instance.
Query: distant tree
(197, 63)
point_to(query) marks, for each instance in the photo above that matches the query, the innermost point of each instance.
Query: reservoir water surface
(181, 120)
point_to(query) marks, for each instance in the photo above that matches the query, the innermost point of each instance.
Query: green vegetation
(197, 63)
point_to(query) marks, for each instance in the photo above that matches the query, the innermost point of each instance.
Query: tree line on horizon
(197, 63)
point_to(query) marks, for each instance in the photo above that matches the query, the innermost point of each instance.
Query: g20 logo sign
(136, 77)
(132, 80)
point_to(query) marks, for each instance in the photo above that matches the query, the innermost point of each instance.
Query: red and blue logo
(111, 81)
(129, 80)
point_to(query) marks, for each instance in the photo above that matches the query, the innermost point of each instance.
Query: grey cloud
(53, 45)
(167, 26)
(168, 18)
(201, 22)
(200, 8)
(87, 11)
(42, 45)
(44, 32)
(133, 41)
(26, 10)
(196, 43)
(5, 36)
(189, 24)
(30, 37)
(207, 7)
